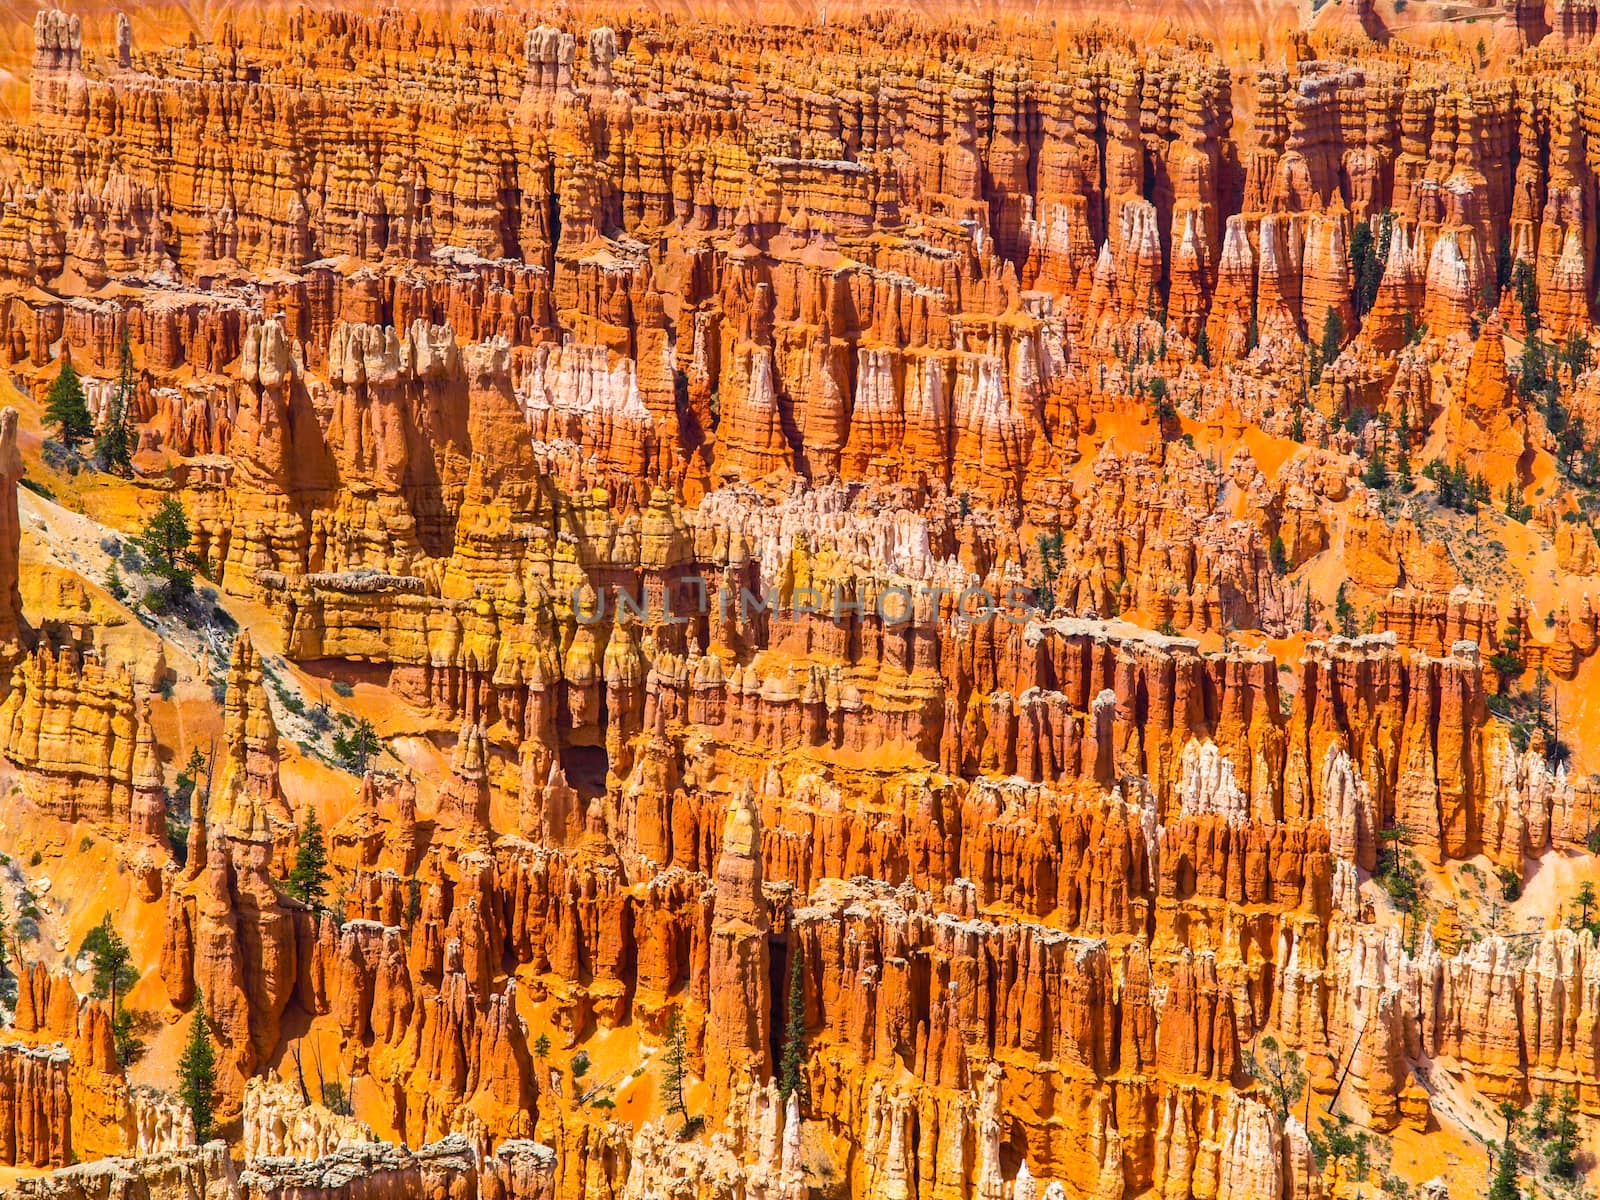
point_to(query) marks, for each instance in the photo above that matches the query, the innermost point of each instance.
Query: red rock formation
(71, 725)
(11, 469)
(657, 409)
(737, 1037)
(35, 1115)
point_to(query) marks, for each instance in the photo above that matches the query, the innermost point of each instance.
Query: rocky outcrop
(72, 727)
(36, 1116)
(69, 1093)
(738, 1040)
(517, 1171)
(12, 625)
(230, 934)
(161, 1122)
(279, 1124)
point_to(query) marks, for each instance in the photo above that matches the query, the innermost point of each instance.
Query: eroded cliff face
(904, 260)
(838, 554)
(1014, 906)
(63, 1095)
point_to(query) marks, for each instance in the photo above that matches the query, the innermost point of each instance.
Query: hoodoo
(800, 604)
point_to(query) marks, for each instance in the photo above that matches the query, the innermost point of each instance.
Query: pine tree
(113, 974)
(1279, 555)
(1280, 1073)
(112, 969)
(308, 880)
(1575, 354)
(1504, 1184)
(791, 1073)
(1202, 348)
(1534, 374)
(65, 407)
(357, 747)
(1507, 661)
(1385, 237)
(189, 777)
(1363, 257)
(1330, 346)
(1564, 1138)
(114, 446)
(1585, 901)
(166, 536)
(1515, 508)
(165, 541)
(1345, 613)
(1376, 473)
(1526, 287)
(1332, 335)
(1539, 1116)
(673, 1067)
(1444, 480)
(1541, 686)
(197, 1074)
